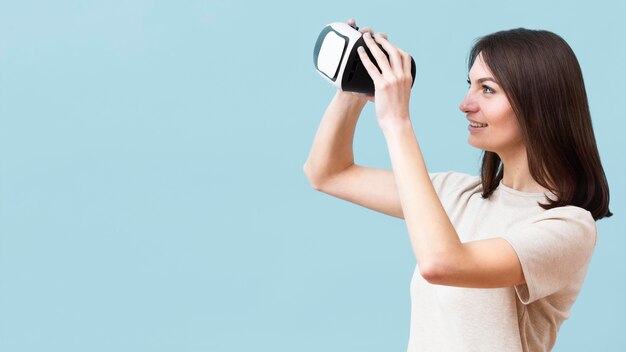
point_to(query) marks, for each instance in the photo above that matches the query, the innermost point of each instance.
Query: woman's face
(492, 122)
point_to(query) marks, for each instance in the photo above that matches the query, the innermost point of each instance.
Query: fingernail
(360, 49)
(367, 34)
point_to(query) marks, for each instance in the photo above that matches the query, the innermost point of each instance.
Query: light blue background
(151, 188)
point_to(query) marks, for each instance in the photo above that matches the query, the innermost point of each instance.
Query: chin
(482, 146)
(474, 143)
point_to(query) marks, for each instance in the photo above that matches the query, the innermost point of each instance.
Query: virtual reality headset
(337, 60)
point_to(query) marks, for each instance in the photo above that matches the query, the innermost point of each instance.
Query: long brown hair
(543, 82)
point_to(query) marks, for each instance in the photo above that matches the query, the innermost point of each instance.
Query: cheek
(503, 131)
(509, 126)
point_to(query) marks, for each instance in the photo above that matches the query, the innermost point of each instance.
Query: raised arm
(331, 152)
(330, 166)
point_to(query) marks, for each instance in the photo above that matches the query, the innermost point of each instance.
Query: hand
(392, 83)
(352, 22)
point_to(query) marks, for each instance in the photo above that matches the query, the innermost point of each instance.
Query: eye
(488, 90)
(468, 82)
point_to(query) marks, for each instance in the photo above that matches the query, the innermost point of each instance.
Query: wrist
(351, 98)
(395, 126)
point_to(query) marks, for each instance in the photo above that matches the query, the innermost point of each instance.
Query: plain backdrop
(152, 196)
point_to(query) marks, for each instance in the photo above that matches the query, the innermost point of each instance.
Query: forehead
(479, 68)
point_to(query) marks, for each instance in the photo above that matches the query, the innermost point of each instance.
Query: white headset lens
(330, 54)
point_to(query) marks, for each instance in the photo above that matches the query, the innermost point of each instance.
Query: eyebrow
(484, 79)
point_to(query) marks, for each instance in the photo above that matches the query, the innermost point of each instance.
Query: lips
(477, 124)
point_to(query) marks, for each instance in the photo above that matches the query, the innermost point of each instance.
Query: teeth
(475, 124)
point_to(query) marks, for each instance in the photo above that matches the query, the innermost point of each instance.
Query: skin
(442, 258)
(486, 102)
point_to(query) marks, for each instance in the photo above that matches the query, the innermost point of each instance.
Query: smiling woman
(493, 125)
(501, 257)
(541, 78)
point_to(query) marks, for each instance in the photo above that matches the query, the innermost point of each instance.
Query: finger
(369, 66)
(394, 56)
(380, 57)
(406, 63)
(352, 23)
(366, 29)
(406, 66)
(384, 35)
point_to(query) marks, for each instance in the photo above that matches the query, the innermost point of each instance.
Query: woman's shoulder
(454, 182)
(569, 219)
(568, 213)
(453, 178)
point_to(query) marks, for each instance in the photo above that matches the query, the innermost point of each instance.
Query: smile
(477, 125)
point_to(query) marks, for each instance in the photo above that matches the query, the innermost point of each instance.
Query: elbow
(434, 271)
(313, 181)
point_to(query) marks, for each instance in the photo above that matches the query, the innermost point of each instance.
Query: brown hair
(543, 82)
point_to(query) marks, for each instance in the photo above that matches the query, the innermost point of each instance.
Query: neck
(516, 172)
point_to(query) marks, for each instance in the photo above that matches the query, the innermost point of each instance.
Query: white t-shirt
(554, 248)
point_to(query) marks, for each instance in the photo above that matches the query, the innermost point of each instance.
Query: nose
(468, 104)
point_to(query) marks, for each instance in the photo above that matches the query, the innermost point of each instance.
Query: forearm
(331, 151)
(431, 233)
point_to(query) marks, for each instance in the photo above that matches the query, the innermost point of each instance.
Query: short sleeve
(553, 250)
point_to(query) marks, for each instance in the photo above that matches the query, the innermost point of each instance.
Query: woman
(502, 256)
